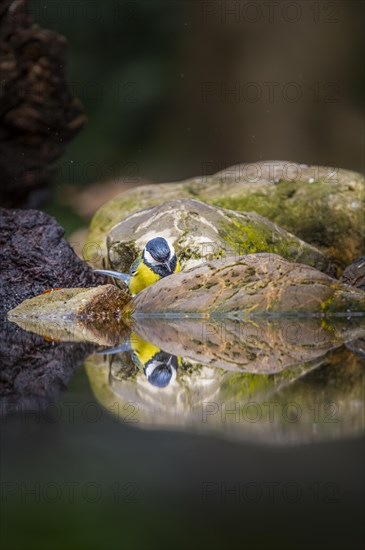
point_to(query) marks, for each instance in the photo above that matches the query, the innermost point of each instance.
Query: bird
(158, 366)
(158, 260)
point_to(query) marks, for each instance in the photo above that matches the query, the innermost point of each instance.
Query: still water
(183, 433)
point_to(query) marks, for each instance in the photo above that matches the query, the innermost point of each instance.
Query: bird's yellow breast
(144, 350)
(144, 276)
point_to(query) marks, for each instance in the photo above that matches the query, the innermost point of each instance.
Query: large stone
(253, 285)
(200, 232)
(323, 206)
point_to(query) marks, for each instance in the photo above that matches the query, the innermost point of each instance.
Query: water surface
(248, 433)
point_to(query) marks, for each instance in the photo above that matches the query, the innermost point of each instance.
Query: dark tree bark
(39, 114)
(35, 257)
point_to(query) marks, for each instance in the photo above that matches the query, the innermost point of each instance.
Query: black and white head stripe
(158, 251)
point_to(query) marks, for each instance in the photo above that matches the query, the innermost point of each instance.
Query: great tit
(158, 260)
(158, 366)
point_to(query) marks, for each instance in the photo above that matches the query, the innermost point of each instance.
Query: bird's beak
(168, 266)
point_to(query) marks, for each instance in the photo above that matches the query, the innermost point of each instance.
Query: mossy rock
(324, 206)
(200, 233)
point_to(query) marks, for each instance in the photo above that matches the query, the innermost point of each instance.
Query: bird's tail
(115, 274)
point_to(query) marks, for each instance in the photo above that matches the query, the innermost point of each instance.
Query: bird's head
(158, 366)
(160, 255)
(161, 370)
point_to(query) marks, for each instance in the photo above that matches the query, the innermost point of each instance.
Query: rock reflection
(284, 381)
(258, 345)
(35, 369)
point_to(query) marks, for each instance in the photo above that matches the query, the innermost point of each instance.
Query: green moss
(301, 208)
(325, 306)
(189, 253)
(106, 217)
(242, 238)
(245, 238)
(245, 385)
(343, 300)
(123, 367)
(122, 255)
(249, 239)
(327, 325)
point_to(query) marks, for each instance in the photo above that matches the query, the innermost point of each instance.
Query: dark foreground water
(255, 440)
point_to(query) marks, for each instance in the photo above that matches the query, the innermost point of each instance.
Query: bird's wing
(134, 266)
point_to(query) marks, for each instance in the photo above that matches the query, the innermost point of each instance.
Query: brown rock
(101, 303)
(354, 274)
(99, 315)
(255, 284)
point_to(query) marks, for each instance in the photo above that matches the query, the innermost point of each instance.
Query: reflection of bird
(158, 366)
(158, 260)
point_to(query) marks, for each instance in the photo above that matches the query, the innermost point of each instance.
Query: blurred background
(174, 89)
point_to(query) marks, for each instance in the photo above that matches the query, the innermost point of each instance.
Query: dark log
(38, 111)
(35, 257)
